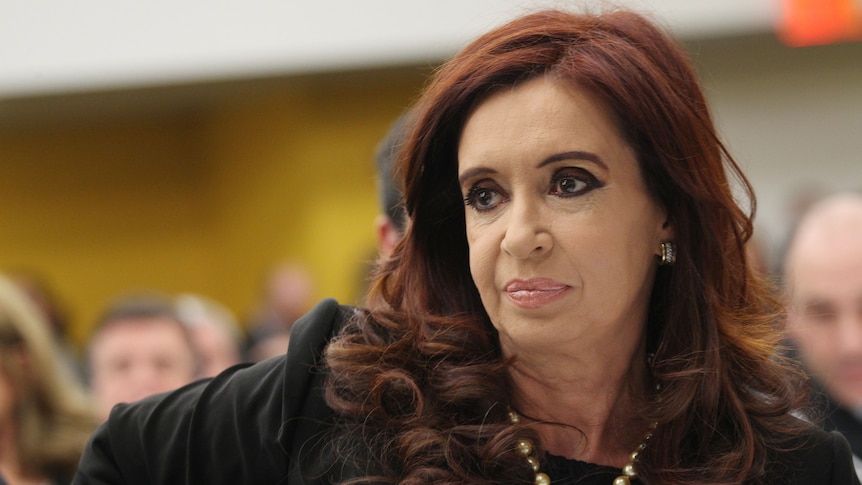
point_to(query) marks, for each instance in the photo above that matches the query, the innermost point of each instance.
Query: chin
(849, 396)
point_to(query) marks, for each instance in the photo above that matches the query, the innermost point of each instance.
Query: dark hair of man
(389, 191)
(423, 373)
(140, 307)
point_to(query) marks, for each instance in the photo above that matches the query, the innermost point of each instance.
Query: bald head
(832, 224)
(824, 289)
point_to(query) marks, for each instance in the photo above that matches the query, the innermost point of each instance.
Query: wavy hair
(423, 372)
(53, 417)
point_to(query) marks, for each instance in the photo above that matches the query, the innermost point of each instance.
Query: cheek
(481, 266)
(816, 342)
(606, 251)
(482, 259)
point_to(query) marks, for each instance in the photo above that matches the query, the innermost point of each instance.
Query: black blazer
(268, 423)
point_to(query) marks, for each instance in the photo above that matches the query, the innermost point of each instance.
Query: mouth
(535, 292)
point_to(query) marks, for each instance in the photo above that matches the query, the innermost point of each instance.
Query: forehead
(824, 268)
(827, 262)
(543, 113)
(831, 230)
(140, 330)
(830, 233)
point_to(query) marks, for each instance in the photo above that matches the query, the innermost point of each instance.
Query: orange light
(816, 22)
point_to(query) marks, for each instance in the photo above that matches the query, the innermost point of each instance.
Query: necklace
(525, 449)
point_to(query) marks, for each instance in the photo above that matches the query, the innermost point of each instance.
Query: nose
(849, 341)
(146, 380)
(526, 232)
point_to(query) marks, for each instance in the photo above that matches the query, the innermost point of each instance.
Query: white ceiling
(59, 46)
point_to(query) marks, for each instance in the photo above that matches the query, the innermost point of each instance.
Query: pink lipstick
(534, 292)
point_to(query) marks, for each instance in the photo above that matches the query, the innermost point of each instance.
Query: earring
(668, 254)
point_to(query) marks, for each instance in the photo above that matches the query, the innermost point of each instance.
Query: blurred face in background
(290, 292)
(134, 358)
(824, 277)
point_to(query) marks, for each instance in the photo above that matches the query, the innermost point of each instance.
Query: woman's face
(563, 235)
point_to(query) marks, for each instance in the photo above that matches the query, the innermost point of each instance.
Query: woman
(45, 419)
(571, 302)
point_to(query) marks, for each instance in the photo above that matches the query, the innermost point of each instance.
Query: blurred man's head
(823, 271)
(391, 222)
(139, 348)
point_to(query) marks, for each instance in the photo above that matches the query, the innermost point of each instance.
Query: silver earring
(668, 254)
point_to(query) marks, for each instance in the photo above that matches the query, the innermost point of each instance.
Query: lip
(534, 292)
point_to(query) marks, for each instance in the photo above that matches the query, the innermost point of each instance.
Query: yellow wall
(202, 201)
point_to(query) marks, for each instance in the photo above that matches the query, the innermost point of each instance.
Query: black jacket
(839, 418)
(268, 424)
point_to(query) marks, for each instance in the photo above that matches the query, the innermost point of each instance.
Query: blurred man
(139, 348)
(391, 222)
(215, 334)
(824, 287)
(287, 293)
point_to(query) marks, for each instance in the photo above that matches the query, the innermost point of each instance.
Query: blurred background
(193, 145)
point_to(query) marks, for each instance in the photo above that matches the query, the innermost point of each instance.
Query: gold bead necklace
(525, 448)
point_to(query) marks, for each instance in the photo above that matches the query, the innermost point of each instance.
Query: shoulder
(314, 329)
(308, 339)
(814, 457)
(307, 421)
(303, 370)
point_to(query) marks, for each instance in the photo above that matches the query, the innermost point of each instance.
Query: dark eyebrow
(473, 172)
(556, 158)
(574, 155)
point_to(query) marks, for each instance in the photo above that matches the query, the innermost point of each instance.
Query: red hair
(726, 399)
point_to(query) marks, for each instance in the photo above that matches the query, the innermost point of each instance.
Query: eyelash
(472, 197)
(589, 180)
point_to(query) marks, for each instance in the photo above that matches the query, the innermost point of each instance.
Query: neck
(584, 409)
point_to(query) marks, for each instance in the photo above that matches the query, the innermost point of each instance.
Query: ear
(664, 233)
(387, 235)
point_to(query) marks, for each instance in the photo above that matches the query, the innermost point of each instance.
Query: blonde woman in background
(45, 418)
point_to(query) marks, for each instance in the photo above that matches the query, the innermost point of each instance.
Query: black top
(268, 423)
(839, 418)
(562, 470)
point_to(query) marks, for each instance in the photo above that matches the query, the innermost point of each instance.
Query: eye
(120, 365)
(821, 313)
(572, 182)
(482, 198)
